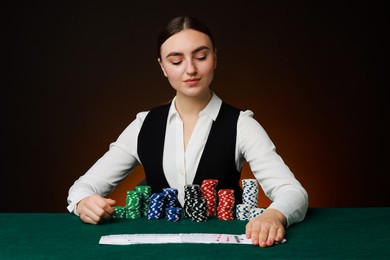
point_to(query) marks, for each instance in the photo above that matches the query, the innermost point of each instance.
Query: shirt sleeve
(115, 165)
(275, 178)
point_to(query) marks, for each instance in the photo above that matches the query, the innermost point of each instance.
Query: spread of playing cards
(197, 238)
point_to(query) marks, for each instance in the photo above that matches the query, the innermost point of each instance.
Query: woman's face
(188, 60)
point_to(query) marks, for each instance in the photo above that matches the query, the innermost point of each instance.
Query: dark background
(76, 74)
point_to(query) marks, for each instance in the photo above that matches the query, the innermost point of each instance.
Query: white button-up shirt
(180, 165)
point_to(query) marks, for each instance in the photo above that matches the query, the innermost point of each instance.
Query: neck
(191, 105)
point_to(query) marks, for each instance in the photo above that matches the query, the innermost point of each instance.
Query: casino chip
(199, 209)
(133, 204)
(243, 211)
(145, 192)
(226, 204)
(171, 197)
(200, 202)
(120, 211)
(173, 214)
(156, 208)
(172, 210)
(164, 204)
(195, 205)
(191, 192)
(209, 191)
(250, 192)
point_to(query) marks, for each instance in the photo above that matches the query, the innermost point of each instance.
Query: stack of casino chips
(156, 209)
(250, 192)
(120, 211)
(145, 192)
(171, 197)
(133, 204)
(173, 214)
(249, 199)
(243, 211)
(191, 191)
(172, 209)
(225, 209)
(195, 205)
(198, 211)
(209, 191)
(249, 209)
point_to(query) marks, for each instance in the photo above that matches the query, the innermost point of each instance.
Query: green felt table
(326, 233)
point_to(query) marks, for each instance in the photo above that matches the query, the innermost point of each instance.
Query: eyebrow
(193, 52)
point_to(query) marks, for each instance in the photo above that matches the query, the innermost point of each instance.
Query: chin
(195, 92)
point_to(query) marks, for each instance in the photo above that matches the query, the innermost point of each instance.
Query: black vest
(216, 162)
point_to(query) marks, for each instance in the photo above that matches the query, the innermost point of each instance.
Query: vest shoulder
(230, 107)
(160, 108)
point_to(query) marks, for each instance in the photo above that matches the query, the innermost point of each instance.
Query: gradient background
(313, 73)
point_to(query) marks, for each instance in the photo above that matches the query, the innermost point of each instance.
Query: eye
(201, 57)
(175, 61)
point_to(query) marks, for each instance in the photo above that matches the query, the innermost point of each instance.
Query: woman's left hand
(267, 228)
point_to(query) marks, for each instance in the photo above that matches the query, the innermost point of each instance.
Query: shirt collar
(211, 110)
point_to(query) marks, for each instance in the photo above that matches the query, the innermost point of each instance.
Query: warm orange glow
(119, 194)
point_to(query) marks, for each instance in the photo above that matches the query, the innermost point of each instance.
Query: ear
(162, 67)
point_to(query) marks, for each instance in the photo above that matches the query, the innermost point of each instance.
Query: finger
(92, 208)
(263, 235)
(88, 216)
(248, 230)
(111, 202)
(280, 235)
(88, 220)
(271, 236)
(256, 229)
(102, 209)
(109, 207)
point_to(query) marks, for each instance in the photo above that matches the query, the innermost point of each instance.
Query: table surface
(326, 233)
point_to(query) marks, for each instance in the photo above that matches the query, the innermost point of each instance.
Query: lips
(192, 80)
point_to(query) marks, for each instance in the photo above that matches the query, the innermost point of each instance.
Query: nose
(191, 68)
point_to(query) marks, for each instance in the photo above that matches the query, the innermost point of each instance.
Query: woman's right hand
(94, 209)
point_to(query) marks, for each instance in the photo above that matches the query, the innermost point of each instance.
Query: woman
(195, 137)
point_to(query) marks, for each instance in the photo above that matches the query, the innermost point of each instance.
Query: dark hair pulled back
(179, 24)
